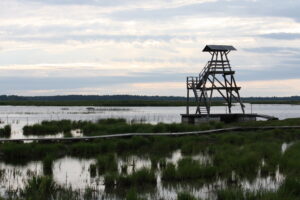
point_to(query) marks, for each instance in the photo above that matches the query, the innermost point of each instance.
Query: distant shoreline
(129, 103)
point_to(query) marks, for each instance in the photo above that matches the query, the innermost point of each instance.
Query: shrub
(6, 131)
(185, 196)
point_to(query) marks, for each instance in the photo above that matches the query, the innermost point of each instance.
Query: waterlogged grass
(117, 126)
(45, 188)
(111, 126)
(132, 194)
(290, 162)
(48, 128)
(139, 178)
(106, 163)
(48, 164)
(188, 169)
(39, 188)
(289, 190)
(185, 196)
(285, 122)
(247, 155)
(5, 131)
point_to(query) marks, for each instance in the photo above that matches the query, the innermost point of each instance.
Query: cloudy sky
(145, 47)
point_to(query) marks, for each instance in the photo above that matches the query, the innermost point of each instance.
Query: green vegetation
(188, 169)
(47, 164)
(48, 128)
(40, 188)
(231, 157)
(285, 122)
(93, 170)
(117, 126)
(106, 163)
(291, 102)
(111, 126)
(185, 196)
(6, 131)
(140, 178)
(132, 195)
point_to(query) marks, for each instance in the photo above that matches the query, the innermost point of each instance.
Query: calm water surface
(18, 116)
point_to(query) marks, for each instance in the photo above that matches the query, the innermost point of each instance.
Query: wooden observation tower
(216, 77)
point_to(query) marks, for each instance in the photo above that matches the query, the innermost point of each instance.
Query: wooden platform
(198, 119)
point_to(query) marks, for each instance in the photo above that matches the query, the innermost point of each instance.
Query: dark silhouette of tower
(217, 76)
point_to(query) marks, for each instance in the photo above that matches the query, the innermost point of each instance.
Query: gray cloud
(282, 36)
(82, 2)
(52, 83)
(49, 83)
(94, 37)
(62, 33)
(287, 8)
(272, 50)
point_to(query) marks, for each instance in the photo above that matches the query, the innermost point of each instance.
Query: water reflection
(75, 173)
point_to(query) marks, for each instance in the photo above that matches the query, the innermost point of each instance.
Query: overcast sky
(147, 47)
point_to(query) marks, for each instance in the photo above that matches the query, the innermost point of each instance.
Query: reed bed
(247, 155)
(5, 131)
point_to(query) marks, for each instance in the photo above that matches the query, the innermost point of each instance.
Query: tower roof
(218, 48)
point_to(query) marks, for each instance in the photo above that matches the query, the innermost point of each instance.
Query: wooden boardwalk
(126, 135)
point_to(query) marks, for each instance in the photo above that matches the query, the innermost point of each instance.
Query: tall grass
(139, 178)
(111, 126)
(185, 196)
(5, 131)
(40, 188)
(48, 164)
(188, 169)
(48, 128)
(290, 163)
(241, 153)
(106, 163)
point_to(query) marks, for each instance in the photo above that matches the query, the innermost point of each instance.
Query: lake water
(19, 116)
(74, 172)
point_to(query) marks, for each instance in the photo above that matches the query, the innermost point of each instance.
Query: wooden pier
(236, 117)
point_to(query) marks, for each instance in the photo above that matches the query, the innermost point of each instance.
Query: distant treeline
(91, 98)
(128, 100)
(103, 103)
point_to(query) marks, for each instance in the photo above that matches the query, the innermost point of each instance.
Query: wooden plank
(222, 88)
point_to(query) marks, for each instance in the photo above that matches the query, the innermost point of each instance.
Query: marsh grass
(5, 131)
(93, 170)
(189, 169)
(48, 164)
(238, 152)
(111, 126)
(289, 190)
(106, 163)
(48, 128)
(68, 134)
(140, 178)
(290, 163)
(185, 196)
(132, 194)
(41, 188)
